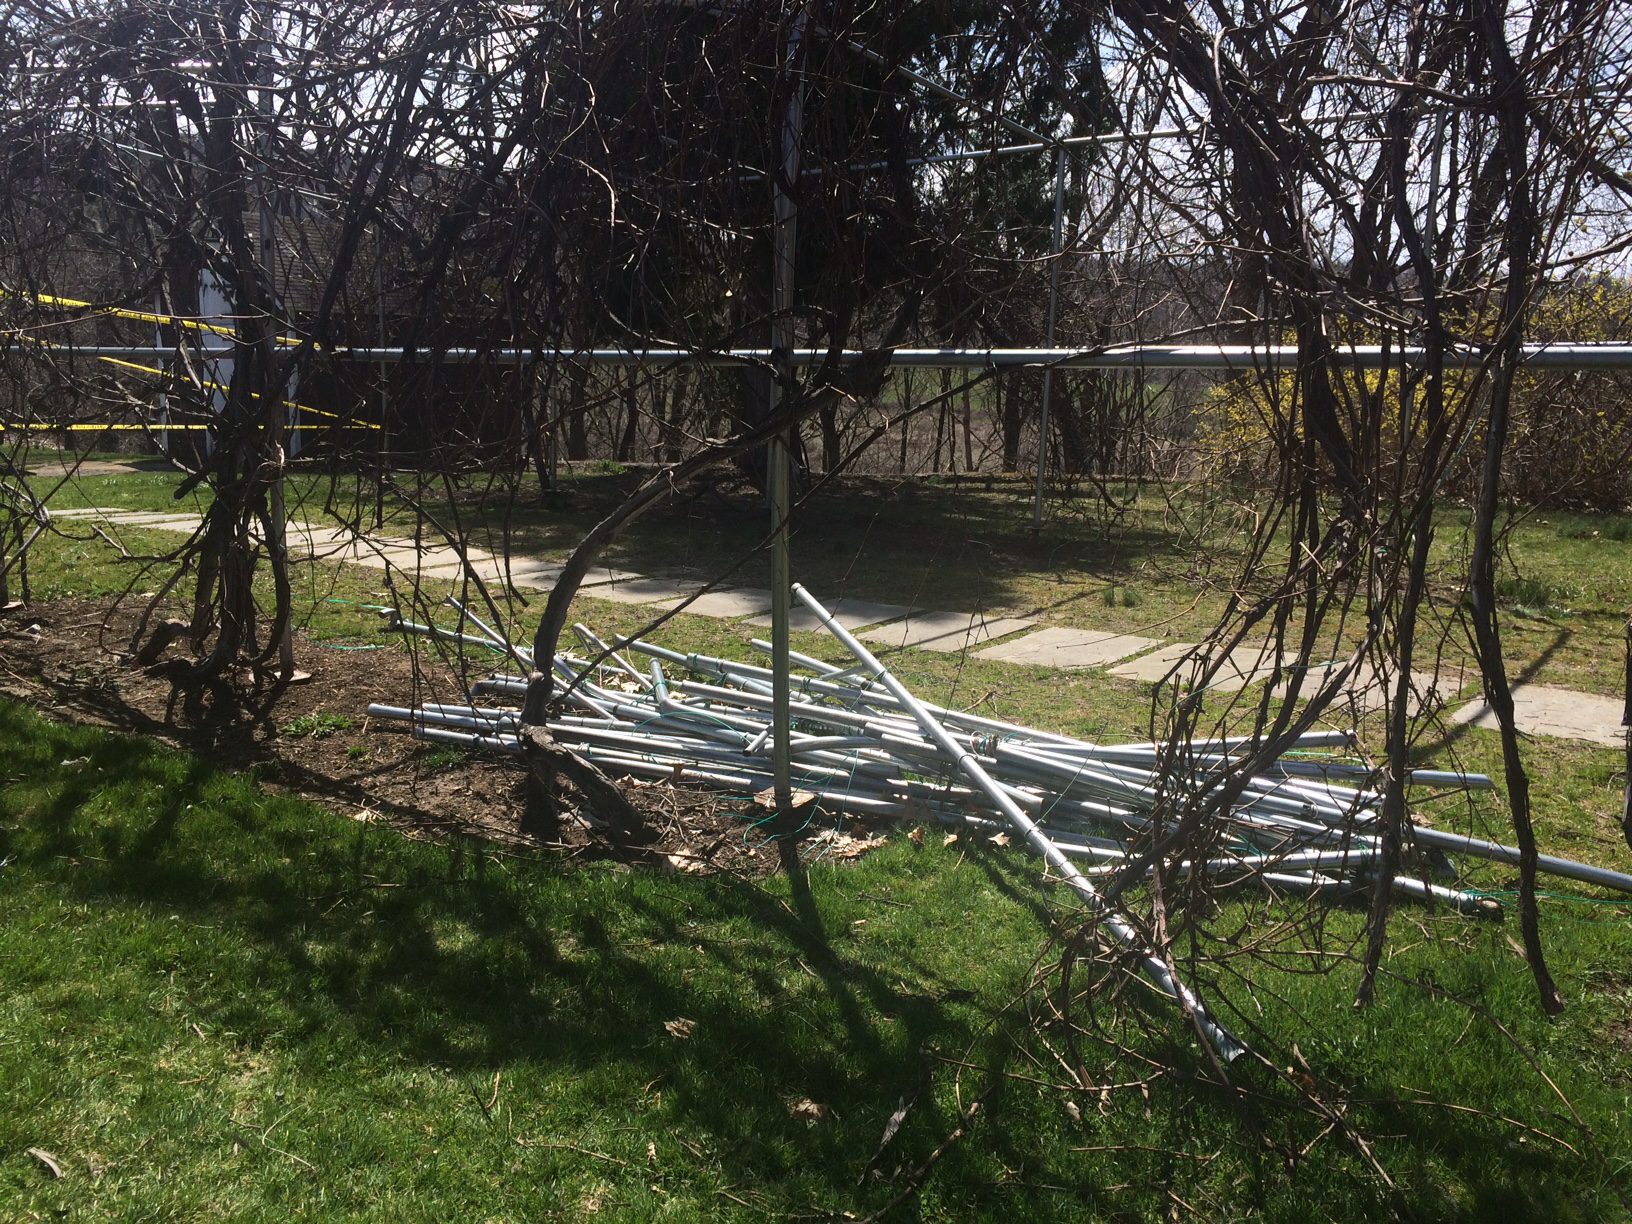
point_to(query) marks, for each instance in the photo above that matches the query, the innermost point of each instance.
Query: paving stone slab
(354, 552)
(410, 559)
(540, 576)
(322, 550)
(726, 605)
(428, 558)
(948, 632)
(636, 590)
(1068, 648)
(102, 512)
(1364, 691)
(332, 535)
(188, 521)
(309, 542)
(1153, 666)
(1241, 667)
(853, 614)
(317, 531)
(486, 568)
(1563, 713)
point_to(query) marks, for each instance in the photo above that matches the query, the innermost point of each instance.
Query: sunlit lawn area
(222, 1002)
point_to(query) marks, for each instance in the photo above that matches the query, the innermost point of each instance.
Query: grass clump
(318, 725)
(1517, 589)
(1122, 597)
(444, 757)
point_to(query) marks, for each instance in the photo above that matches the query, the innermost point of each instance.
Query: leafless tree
(549, 179)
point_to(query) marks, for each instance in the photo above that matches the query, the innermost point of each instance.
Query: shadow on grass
(960, 546)
(459, 960)
(455, 959)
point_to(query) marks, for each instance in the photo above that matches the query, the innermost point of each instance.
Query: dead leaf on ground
(46, 1159)
(687, 862)
(680, 1028)
(846, 846)
(916, 835)
(651, 1152)
(808, 1109)
(949, 839)
(1000, 839)
(796, 799)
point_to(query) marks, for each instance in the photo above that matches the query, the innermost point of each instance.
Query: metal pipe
(431, 631)
(1048, 336)
(465, 739)
(1228, 743)
(785, 223)
(523, 657)
(867, 762)
(440, 718)
(1569, 869)
(593, 641)
(1227, 1046)
(1229, 358)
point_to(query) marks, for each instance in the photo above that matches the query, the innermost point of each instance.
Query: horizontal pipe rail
(1237, 358)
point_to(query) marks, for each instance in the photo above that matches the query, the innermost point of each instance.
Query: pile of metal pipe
(862, 744)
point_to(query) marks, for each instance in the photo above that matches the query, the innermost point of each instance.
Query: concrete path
(724, 605)
(1068, 648)
(949, 632)
(1562, 713)
(1540, 710)
(853, 614)
(1241, 667)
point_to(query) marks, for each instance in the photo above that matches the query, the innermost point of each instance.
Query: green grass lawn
(1162, 569)
(219, 1003)
(216, 1002)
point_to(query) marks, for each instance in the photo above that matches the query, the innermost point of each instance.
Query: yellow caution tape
(143, 316)
(123, 364)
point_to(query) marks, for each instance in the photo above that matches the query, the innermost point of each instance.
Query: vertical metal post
(277, 510)
(1054, 245)
(784, 235)
(385, 420)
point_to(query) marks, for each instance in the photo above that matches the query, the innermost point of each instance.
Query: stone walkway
(1540, 710)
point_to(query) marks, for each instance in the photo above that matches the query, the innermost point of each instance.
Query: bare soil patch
(314, 740)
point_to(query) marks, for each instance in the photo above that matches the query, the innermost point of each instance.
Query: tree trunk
(968, 430)
(1008, 406)
(577, 414)
(631, 419)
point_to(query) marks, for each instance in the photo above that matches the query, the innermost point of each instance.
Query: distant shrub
(1570, 433)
